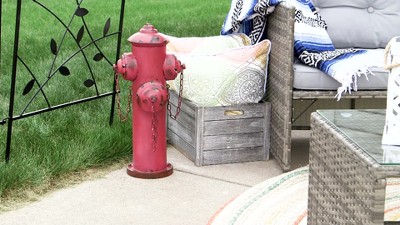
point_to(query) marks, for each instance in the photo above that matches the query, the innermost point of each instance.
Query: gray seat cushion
(309, 78)
(368, 24)
(360, 23)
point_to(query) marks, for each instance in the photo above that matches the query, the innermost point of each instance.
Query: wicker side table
(348, 167)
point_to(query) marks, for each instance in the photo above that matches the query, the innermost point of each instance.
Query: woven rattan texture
(280, 91)
(346, 186)
(306, 94)
(280, 32)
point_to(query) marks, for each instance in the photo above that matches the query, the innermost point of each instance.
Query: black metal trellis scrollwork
(36, 88)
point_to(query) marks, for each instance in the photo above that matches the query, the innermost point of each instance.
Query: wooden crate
(222, 134)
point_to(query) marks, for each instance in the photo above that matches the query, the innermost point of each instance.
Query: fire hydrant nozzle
(152, 96)
(149, 67)
(127, 66)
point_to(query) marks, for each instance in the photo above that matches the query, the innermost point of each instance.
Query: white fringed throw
(312, 44)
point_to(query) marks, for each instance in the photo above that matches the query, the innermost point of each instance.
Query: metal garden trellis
(79, 12)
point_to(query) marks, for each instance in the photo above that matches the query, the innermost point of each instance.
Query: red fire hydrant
(148, 67)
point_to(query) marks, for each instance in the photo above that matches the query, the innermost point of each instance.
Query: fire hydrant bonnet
(148, 36)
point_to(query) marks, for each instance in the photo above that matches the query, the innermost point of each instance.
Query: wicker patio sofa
(282, 69)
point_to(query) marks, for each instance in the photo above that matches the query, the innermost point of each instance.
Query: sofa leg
(352, 103)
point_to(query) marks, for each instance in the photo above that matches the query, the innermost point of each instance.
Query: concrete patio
(190, 196)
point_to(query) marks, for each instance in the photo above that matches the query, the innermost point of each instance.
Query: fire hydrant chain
(154, 128)
(178, 108)
(121, 115)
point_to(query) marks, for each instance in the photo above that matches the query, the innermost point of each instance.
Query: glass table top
(365, 128)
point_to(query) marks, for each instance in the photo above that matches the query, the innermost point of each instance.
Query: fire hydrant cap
(148, 35)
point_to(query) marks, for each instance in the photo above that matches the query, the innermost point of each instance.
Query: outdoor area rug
(283, 200)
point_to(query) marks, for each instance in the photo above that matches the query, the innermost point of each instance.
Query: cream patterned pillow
(234, 76)
(206, 45)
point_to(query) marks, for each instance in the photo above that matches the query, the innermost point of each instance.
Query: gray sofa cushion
(360, 23)
(309, 78)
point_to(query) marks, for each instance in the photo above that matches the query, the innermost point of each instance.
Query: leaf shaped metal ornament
(64, 71)
(28, 87)
(88, 83)
(99, 56)
(106, 27)
(81, 12)
(80, 34)
(53, 46)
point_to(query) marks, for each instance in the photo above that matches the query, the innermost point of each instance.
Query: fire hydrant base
(150, 175)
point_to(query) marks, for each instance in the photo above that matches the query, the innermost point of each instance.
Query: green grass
(48, 147)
